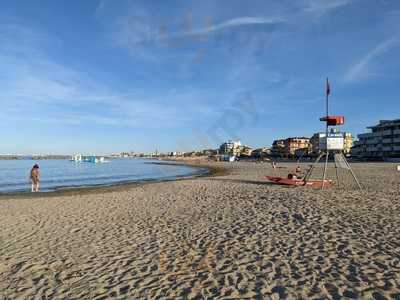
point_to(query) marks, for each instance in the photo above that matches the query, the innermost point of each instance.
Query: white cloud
(133, 30)
(237, 22)
(32, 82)
(323, 6)
(362, 68)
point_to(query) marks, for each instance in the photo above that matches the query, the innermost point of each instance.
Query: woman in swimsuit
(35, 178)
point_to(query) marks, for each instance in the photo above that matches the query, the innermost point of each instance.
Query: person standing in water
(35, 178)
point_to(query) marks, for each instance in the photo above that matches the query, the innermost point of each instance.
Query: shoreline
(211, 171)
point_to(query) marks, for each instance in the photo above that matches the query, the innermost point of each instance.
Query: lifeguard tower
(331, 144)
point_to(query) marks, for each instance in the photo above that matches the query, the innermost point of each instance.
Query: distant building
(300, 152)
(278, 147)
(289, 146)
(190, 154)
(296, 143)
(245, 151)
(126, 154)
(210, 152)
(261, 152)
(348, 142)
(231, 148)
(313, 147)
(382, 142)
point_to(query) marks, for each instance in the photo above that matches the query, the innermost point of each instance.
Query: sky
(103, 76)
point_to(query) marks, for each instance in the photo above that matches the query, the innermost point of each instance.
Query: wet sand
(233, 236)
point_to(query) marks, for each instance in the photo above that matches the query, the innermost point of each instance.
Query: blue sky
(102, 76)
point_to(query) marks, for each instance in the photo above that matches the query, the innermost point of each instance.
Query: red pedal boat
(299, 182)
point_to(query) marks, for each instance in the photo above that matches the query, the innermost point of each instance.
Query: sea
(63, 173)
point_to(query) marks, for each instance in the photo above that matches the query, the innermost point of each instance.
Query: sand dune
(227, 237)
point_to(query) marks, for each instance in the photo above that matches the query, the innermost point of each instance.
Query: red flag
(328, 88)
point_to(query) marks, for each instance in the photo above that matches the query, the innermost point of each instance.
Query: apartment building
(288, 147)
(231, 148)
(382, 142)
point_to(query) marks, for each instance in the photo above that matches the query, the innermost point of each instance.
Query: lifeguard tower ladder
(331, 143)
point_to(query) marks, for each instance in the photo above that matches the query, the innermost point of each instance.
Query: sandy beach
(233, 236)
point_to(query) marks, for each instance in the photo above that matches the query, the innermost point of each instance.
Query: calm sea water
(14, 174)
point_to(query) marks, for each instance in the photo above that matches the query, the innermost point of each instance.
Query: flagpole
(328, 91)
(327, 96)
(326, 133)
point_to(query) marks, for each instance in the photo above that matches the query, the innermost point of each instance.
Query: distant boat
(95, 159)
(90, 159)
(76, 158)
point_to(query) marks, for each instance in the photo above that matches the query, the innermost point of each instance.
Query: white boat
(90, 159)
(76, 158)
(95, 159)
